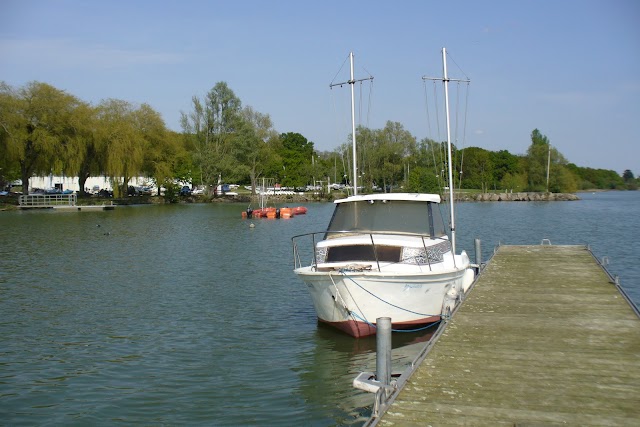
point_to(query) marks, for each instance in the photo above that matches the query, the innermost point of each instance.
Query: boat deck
(544, 338)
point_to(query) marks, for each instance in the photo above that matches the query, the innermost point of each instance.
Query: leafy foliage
(45, 131)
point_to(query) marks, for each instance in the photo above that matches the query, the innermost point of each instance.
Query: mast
(352, 81)
(353, 128)
(445, 80)
(548, 166)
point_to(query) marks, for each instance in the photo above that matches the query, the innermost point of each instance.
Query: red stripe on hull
(361, 329)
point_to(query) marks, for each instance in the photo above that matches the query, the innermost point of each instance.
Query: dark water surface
(183, 314)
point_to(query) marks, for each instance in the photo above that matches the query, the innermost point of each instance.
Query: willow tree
(81, 156)
(37, 122)
(393, 145)
(162, 147)
(122, 143)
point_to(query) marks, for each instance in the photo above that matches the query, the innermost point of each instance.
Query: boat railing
(313, 236)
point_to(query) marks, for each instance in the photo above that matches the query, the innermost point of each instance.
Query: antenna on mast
(352, 82)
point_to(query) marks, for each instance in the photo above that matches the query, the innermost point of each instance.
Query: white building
(93, 184)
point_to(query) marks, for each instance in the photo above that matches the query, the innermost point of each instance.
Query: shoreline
(516, 197)
(10, 203)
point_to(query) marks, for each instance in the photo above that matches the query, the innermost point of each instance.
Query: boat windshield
(386, 216)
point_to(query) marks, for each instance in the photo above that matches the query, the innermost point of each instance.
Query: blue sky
(569, 68)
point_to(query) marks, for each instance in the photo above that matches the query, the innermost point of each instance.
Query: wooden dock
(61, 202)
(543, 339)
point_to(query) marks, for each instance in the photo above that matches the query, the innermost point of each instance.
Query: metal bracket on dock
(368, 382)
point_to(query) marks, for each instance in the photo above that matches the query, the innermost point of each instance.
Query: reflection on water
(184, 314)
(329, 368)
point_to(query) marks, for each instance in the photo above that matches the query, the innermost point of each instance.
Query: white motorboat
(384, 255)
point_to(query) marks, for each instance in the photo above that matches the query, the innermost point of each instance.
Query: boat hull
(351, 301)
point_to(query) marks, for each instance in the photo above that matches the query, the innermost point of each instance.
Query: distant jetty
(517, 197)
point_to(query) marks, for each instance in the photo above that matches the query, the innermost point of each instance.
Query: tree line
(44, 130)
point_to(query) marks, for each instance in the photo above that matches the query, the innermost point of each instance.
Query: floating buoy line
(268, 184)
(274, 213)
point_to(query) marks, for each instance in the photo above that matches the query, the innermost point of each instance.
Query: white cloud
(69, 53)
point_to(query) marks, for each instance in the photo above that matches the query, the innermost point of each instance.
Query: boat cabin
(385, 228)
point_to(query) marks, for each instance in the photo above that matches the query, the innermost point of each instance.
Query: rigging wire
(466, 110)
(455, 132)
(341, 67)
(456, 64)
(464, 132)
(437, 163)
(347, 167)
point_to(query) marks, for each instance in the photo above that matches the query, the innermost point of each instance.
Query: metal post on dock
(383, 350)
(383, 363)
(478, 255)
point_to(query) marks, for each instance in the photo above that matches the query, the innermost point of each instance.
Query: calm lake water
(183, 314)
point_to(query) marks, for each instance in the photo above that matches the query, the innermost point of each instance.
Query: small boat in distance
(383, 255)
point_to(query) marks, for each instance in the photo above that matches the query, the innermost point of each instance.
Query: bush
(171, 193)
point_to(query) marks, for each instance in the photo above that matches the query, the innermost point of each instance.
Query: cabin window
(389, 216)
(363, 253)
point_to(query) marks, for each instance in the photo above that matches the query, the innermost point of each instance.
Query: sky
(570, 68)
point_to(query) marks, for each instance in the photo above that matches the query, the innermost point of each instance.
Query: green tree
(392, 145)
(478, 168)
(516, 182)
(211, 128)
(37, 124)
(296, 153)
(256, 144)
(539, 155)
(90, 158)
(162, 147)
(589, 178)
(423, 180)
(122, 141)
(505, 163)
(432, 156)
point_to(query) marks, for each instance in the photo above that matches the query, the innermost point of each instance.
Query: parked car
(133, 191)
(185, 191)
(145, 191)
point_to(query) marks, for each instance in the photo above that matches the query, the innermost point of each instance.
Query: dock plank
(544, 338)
